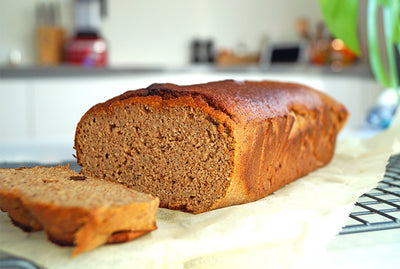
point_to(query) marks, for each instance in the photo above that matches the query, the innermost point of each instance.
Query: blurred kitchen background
(154, 32)
(59, 57)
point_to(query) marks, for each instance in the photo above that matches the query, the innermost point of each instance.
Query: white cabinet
(49, 108)
(15, 110)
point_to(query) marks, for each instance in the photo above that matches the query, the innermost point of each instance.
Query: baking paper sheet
(279, 231)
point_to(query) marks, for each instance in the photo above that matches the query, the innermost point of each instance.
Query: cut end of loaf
(180, 154)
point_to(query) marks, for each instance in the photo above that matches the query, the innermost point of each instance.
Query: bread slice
(75, 209)
(206, 146)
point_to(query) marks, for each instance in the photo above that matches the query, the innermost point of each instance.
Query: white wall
(17, 27)
(155, 32)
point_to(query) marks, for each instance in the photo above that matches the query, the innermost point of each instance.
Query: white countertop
(377, 249)
(367, 250)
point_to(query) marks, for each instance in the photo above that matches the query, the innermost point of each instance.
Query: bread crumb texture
(177, 153)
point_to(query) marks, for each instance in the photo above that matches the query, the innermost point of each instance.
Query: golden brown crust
(124, 236)
(246, 100)
(20, 216)
(85, 226)
(115, 238)
(281, 131)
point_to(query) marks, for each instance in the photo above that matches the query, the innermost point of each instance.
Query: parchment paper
(279, 231)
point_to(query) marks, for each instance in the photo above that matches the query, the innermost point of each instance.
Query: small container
(87, 50)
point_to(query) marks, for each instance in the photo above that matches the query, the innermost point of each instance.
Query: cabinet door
(15, 110)
(59, 104)
(357, 94)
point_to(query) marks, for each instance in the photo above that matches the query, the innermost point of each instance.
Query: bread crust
(281, 131)
(84, 227)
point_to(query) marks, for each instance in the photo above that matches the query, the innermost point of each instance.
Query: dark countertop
(32, 72)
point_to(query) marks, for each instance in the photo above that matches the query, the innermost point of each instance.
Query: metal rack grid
(379, 209)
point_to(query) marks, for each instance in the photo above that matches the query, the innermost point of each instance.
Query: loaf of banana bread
(74, 209)
(207, 146)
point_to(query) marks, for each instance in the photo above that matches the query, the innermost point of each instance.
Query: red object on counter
(86, 50)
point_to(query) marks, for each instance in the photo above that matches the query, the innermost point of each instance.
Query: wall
(17, 27)
(155, 32)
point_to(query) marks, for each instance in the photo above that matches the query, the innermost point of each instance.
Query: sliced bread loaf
(207, 146)
(75, 209)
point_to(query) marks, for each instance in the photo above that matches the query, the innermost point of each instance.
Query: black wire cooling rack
(378, 209)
